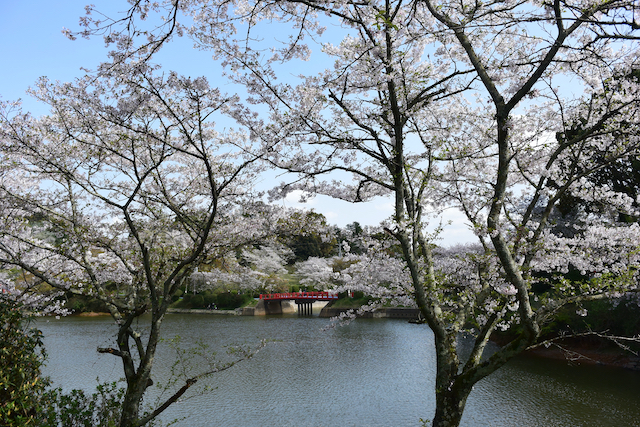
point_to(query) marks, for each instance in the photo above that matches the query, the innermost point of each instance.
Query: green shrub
(21, 356)
(26, 400)
(209, 298)
(230, 301)
(197, 301)
(177, 295)
(83, 304)
(101, 409)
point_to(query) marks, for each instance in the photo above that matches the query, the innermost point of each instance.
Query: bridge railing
(322, 296)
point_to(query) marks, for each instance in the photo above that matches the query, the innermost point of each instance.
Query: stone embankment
(236, 312)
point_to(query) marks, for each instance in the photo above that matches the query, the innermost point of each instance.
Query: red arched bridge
(313, 296)
(304, 300)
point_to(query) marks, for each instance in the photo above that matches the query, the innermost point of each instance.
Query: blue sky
(32, 45)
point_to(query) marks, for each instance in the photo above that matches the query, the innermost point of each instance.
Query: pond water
(372, 372)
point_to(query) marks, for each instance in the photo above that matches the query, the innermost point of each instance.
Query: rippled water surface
(373, 372)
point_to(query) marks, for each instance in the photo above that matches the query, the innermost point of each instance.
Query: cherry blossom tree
(315, 272)
(119, 194)
(254, 268)
(270, 259)
(445, 104)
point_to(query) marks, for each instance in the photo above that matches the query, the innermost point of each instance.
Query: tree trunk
(138, 380)
(130, 408)
(450, 403)
(136, 387)
(452, 389)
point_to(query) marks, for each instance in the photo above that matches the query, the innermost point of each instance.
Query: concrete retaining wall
(272, 307)
(205, 311)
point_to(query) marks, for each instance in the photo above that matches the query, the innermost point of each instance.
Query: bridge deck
(309, 296)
